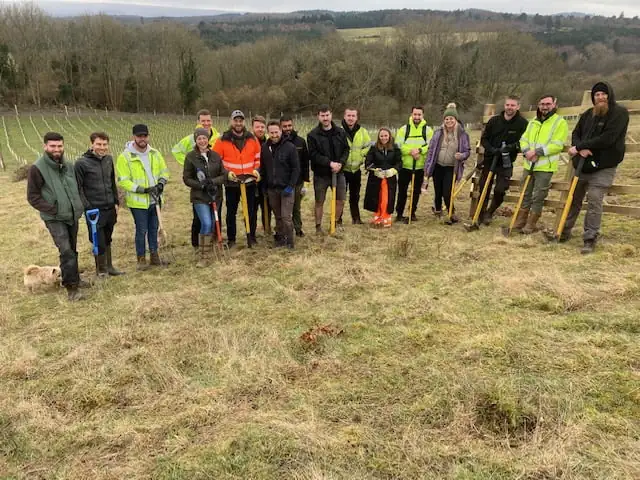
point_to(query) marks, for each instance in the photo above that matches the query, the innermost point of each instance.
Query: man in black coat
(599, 137)
(505, 128)
(286, 123)
(280, 170)
(97, 187)
(328, 152)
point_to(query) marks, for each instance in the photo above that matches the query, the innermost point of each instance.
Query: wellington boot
(204, 244)
(532, 224)
(101, 266)
(521, 219)
(111, 270)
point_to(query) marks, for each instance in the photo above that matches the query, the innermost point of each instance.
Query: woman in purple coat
(449, 148)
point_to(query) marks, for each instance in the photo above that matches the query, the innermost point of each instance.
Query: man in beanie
(142, 174)
(541, 145)
(53, 191)
(240, 153)
(180, 151)
(501, 135)
(599, 138)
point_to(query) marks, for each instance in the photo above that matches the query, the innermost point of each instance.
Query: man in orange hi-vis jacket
(240, 153)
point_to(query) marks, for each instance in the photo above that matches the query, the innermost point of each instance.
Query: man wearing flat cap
(598, 138)
(142, 174)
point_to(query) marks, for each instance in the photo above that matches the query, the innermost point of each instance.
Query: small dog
(35, 276)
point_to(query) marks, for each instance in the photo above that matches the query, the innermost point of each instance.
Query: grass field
(418, 352)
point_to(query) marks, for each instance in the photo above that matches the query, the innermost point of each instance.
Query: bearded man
(599, 138)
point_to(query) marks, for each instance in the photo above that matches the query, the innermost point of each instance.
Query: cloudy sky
(602, 7)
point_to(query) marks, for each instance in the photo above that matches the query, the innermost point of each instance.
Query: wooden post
(568, 176)
(489, 109)
(586, 99)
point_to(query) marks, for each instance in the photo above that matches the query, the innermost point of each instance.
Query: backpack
(408, 129)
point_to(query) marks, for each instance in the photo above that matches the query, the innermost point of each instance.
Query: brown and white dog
(35, 277)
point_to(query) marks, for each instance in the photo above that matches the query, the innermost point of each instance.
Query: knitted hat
(451, 111)
(200, 131)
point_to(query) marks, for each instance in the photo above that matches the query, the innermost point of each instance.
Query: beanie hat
(200, 131)
(599, 87)
(451, 111)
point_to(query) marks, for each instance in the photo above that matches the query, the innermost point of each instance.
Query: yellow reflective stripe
(553, 128)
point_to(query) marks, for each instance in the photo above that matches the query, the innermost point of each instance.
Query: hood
(291, 136)
(515, 117)
(228, 135)
(612, 96)
(351, 132)
(91, 154)
(543, 119)
(420, 125)
(131, 149)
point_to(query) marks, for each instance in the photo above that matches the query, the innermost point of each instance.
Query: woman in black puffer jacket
(383, 162)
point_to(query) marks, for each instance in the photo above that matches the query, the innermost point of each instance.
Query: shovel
(92, 217)
(244, 180)
(506, 231)
(334, 184)
(569, 201)
(474, 224)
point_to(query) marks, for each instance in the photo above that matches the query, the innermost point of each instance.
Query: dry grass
(419, 352)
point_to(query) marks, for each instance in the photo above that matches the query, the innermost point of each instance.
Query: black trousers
(442, 178)
(106, 224)
(501, 179)
(354, 182)
(65, 237)
(233, 198)
(404, 183)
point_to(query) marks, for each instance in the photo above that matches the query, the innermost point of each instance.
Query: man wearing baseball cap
(240, 153)
(142, 173)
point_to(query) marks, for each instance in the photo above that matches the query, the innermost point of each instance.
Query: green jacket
(358, 149)
(184, 146)
(60, 189)
(131, 175)
(415, 139)
(546, 136)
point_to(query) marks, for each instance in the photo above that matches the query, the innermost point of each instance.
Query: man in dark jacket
(97, 187)
(328, 152)
(501, 137)
(599, 138)
(53, 191)
(286, 123)
(280, 170)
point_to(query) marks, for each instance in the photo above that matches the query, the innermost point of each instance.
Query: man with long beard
(599, 138)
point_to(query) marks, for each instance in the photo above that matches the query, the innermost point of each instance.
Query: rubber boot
(156, 261)
(204, 246)
(111, 270)
(101, 266)
(531, 225)
(141, 266)
(521, 219)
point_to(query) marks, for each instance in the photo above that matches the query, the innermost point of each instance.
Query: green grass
(462, 356)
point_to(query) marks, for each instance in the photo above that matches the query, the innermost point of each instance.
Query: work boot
(319, 230)
(156, 261)
(357, 221)
(454, 219)
(73, 293)
(141, 266)
(299, 233)
(521, 219)
(111, 270)
(436, 213)
(487, 217)
(588, 247)
(531, 225)
(401, 219)
(101, 266)
(204, 248)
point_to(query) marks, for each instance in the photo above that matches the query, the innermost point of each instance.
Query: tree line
(98, 62)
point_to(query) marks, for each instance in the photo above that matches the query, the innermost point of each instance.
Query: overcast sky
(602, 7)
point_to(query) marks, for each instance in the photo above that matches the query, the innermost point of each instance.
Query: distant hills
(73, 9)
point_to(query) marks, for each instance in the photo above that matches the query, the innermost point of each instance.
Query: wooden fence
(562, 186)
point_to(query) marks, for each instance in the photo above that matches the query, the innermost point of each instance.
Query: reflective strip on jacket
(358, 149)
(414, 140)
(131, 175)
(240, 162)
(546, 137)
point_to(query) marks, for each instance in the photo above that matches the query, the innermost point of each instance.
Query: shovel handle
(93, 215)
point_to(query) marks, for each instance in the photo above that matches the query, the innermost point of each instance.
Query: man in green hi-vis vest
(53, 191)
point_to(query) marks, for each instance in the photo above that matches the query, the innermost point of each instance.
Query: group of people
(267, 167)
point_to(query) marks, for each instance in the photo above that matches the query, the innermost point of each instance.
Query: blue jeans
(203, 210)
(146, 221)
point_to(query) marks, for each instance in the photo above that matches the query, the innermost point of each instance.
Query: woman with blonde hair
(383, 161)
(448, 149)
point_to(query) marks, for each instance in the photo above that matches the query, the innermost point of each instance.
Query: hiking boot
(111, 270)
(450, 221)
(532, 224)
(357, 221)
(300, 233)
(588, 247)
(436, 213)
(521, 219)
(252, 240)
(156, 261)
(414, 218)
(73, 293)
(319, 230)
(141, 266)
(486, 218)
(231, 243)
